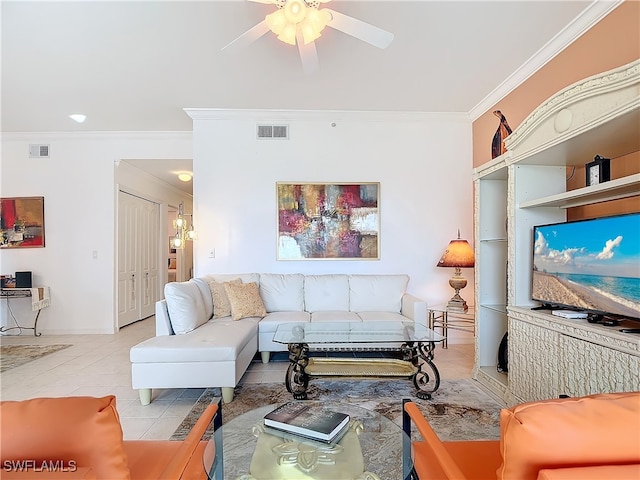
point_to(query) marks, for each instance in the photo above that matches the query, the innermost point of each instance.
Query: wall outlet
(212, 253)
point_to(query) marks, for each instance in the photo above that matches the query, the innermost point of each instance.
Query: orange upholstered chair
(81, 437)
(437, 460)
(591, 437)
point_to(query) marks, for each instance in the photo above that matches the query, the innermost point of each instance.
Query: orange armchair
(81, 437)
(591, 437)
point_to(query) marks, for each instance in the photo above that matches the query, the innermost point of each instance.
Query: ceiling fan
(300, 22)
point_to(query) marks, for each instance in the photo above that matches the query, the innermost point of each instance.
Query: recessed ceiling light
(78, 117)
(185, 177)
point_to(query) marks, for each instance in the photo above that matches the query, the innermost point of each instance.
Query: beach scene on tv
(591, 265)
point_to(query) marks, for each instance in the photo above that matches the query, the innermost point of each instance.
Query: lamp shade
(458, 254)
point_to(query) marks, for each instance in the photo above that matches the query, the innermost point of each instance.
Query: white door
(148, 246)
(138, 257)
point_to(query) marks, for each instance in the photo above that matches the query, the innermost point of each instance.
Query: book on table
(303, 419)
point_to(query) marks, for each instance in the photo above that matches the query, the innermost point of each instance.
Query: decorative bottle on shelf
(504, 130)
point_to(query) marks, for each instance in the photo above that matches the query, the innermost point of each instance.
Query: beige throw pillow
(245, 300)
(221, 305)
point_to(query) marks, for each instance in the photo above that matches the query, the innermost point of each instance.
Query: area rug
(459, 409)
(12, 356)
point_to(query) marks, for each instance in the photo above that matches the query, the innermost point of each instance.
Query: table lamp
(458, 254)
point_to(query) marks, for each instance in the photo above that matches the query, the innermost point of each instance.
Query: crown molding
(96, 135)
(320, 115)
(595, 12)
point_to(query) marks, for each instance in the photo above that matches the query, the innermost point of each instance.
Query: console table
(39, 300)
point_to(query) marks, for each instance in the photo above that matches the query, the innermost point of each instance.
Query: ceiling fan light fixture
(288, 34)
(309, 34)
(312, 26)
(276, 21)
(295, 11)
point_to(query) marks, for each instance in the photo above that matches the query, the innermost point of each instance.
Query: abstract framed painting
(22, 222)
(328, 221)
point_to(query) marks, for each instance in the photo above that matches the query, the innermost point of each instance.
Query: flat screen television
(589, 265)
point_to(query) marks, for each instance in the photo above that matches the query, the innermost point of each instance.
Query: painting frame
(328, 220)
(22, 222)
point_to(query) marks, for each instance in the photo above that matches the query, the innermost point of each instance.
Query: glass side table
(440, 318)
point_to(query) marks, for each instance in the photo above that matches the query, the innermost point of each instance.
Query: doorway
(138, 257)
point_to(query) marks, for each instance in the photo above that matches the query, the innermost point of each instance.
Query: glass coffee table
(415, 341)
(373, 448)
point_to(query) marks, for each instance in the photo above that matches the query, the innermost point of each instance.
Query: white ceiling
(134, 66)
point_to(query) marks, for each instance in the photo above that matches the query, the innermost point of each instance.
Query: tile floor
(99, 365)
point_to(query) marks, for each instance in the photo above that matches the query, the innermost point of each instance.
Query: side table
(39, 300)
(440, 317)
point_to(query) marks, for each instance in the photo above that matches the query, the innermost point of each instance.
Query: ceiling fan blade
(308, 55)
(361, 30)
(249, 36)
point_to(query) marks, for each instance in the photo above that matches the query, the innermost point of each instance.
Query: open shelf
(615, 189)
(496, 308)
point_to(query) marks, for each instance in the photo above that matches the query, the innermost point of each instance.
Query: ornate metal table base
(417, 364)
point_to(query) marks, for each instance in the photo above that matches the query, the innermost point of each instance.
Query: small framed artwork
(22, 222)
(598, 171)
(328, 221)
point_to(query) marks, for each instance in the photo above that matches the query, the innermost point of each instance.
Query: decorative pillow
(245, 300)
(221, 305)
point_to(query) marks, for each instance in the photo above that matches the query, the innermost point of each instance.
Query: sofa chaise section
(191, 349)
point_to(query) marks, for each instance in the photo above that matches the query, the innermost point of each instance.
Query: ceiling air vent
(273, 131)
(38, 151)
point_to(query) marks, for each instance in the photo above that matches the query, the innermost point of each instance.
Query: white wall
(78, 183)
(422, 161)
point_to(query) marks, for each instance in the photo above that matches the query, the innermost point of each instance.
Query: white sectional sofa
(209, 329)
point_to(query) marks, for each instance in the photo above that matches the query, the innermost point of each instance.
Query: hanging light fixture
(183, 232)
(297, 14)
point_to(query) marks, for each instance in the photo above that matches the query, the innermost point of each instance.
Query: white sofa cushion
(377, 293)
(186, 307)
(216, 341)
(335, 316)
(227, 277)
(282, 292)
(206, 295)
(382, 317)
(326, 293)
(270, 323)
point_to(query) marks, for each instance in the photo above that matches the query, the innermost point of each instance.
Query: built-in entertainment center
(524, 190)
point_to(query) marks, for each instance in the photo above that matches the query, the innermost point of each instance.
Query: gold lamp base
(457, 303)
